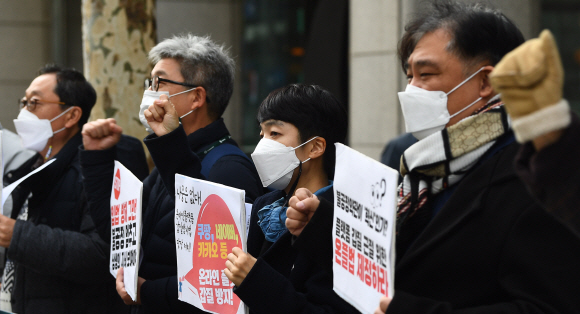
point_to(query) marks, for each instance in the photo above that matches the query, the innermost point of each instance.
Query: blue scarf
(272, 218)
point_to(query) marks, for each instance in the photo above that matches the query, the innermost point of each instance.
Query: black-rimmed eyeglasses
(154, 83)
(31, 104)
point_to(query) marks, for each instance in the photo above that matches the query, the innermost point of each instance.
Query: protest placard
(210, 221)
(363, 229)
(126, 195)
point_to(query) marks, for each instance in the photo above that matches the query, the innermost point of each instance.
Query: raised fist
(101, 134)
(161, 116)
(530, 80)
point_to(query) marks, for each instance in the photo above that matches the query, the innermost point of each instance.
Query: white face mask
(149, 97)
(276, 162)
(426, 111)
(35, 132)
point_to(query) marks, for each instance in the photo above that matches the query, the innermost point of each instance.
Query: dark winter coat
(490, 249)
(172, 153)
(61, 263)
(552, 175)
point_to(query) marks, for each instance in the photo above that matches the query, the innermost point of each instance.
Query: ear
(73, 117)
(199, 98)
(486, 90)
(318, 147)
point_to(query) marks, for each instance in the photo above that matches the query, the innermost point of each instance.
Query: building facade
(347, 46)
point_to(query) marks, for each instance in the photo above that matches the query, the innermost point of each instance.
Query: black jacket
(284, 280)
(61, 263)
(171, 155)
(552, 175)
(491, 249)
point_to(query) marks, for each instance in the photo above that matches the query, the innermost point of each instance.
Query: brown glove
(530, 80)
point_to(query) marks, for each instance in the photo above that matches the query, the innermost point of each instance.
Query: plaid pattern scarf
(441, 160)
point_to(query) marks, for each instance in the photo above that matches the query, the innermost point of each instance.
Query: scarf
(272, 218)
(441, 160)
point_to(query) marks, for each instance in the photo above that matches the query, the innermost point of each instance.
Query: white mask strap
(185, 115)
(60, 115)
(304, 144)
(185, 91)
(465, 81)
(460, 111)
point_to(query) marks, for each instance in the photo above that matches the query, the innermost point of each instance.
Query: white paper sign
(126, 196)
(8, 190)
(363, 232)
(248, 217)
(210, 221)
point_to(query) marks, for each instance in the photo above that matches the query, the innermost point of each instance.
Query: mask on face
(35, 132)
(426, 111)
(276, 162)
(149, 97)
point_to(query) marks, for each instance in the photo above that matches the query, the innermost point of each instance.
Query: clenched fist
(101, 134)
(530, 80)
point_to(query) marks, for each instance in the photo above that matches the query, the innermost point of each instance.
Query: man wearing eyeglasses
(191, 82)
(57, 262)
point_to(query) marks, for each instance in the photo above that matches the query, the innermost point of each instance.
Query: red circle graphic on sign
(215, 236)
(117, 184)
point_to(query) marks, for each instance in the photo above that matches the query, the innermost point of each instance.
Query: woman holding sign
(299, 126)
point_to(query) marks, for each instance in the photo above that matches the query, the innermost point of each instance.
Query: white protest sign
(248, 217)
(210, 221)
(363, 231)
(126, 195)
(8, 190)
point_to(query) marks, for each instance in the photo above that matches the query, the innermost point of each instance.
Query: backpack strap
(218, 152)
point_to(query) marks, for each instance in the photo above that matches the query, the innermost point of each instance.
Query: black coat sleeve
(552, 175)
(534, 273)
(97, 168)
(172, 155)
(131, 154)
(315, 240)
(80, 257)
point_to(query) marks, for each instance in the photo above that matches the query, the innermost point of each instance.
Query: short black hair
(479, 32)
(314, 111)
(73, 89)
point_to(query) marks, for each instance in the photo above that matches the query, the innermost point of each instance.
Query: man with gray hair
(192, 81)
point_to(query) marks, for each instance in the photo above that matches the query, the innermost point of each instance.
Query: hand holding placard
(383, 305)
(123, 292)
(301, 209)
(238, 265)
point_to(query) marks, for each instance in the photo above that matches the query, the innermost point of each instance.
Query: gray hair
(202, 63)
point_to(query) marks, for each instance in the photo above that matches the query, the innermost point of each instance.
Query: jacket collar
(51, 174)
(207, 135)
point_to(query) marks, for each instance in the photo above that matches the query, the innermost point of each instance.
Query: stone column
(117, 35)
(375, 74)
